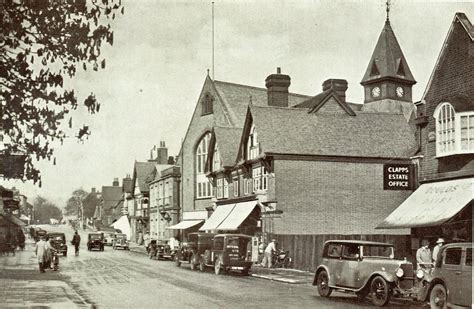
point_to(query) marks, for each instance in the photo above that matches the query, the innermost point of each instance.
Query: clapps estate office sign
(398, 176)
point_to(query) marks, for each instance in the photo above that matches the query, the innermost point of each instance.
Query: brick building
(303, 169)
(442, 205)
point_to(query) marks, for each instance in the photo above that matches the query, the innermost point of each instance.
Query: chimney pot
(338, 85)
(277, 89)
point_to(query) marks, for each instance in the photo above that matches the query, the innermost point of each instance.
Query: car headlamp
(420, 273)
(400, 273)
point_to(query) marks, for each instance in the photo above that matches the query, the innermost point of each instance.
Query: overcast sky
(162, 49)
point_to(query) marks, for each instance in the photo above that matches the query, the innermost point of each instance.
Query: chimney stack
(338, 85)
(92, 190)
(162, 153)
(116, 182)
(277, 89)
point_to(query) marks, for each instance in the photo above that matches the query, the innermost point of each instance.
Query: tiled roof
(388, 59)
(156, 174)
(295, 131)
(111, 195)
(142, 170)
(228, 143)
(236, 99)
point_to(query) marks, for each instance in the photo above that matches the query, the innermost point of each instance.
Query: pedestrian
(48, 253)
(267, 255)
(21, 239)
(261, 249)
(40, 253)
(76, 240)
(423, 255)
(439, 244)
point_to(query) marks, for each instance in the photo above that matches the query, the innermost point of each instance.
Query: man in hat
(267, 255)
(439, 244)
(423, 255)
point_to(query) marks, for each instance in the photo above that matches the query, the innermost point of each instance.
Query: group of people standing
(44, 252)
(425, 259)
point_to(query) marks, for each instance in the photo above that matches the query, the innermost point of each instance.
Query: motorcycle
(281, 258)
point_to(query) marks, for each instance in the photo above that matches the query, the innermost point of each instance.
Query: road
(123, 279)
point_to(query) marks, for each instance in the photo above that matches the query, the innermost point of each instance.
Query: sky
(162, 49)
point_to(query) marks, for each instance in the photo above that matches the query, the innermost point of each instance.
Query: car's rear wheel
(217, 266)
(323, 284)
(193, 262)
(379, 291)
(438, 297)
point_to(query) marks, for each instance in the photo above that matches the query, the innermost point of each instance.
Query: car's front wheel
(379, 291)
(323, 284)
(438, 297)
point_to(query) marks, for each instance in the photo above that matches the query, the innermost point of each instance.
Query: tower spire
(388, 9)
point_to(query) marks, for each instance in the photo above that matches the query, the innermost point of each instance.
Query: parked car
(365, 267)
(120, 241)
(229, 252)
(108, 238)
(192, 251)
(95, 241)
(449, 283)
(58, 241)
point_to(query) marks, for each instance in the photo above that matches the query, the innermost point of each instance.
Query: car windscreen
(94, 237)
(378, 251)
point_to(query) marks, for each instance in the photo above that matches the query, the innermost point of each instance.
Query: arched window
(206, 104)
(454, 131)
(203, 187)
(252, 144)
(445, 129)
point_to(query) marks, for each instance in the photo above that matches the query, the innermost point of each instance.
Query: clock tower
(388, 80)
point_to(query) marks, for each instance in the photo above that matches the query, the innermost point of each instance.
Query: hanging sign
(398, 176)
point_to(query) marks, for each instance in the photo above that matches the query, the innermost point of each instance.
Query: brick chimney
(116, 182)
(93, 190)
(338, 85)
(162, 153)
(277, 89)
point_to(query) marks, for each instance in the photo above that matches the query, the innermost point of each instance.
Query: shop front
(438, 209)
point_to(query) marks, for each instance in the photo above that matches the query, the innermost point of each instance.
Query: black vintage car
(58, 241)
(160, 249)
(95, 241)
(229, 252)
(192, 251)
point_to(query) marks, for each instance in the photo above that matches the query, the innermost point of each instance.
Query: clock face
(400, 92)
(376, 92)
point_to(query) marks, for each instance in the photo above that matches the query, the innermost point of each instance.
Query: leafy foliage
(74, 203)
(43, 42)
(45, 210)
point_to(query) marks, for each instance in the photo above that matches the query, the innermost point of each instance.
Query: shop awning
(14, 219)
(184, 225)
(217, 217)
(431, 204)
(240, 212)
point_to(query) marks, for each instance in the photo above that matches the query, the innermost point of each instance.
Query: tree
(45, 210)
(43, 42)
(75, 203)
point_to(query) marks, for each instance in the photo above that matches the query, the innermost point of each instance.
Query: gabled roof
(111, 195)
(227, 140)
(236, 98)
(156, 173)
(467, 26)
(141, 171)
(387, 60)
(368, 134)
(316, 102)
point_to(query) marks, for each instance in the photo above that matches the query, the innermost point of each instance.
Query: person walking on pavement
(439, 244)
(423, 255)
(76, 240)
(40, 253)
(48, 253)
(267, 255)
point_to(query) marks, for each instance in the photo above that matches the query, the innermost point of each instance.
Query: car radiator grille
(406, 282)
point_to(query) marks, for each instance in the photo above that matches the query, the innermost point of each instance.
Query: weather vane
(388, 9)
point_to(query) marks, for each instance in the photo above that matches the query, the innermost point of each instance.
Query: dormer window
(252, 144)
(206, 104)
(454, 131)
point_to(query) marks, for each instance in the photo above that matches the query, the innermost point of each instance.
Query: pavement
(285, 275)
